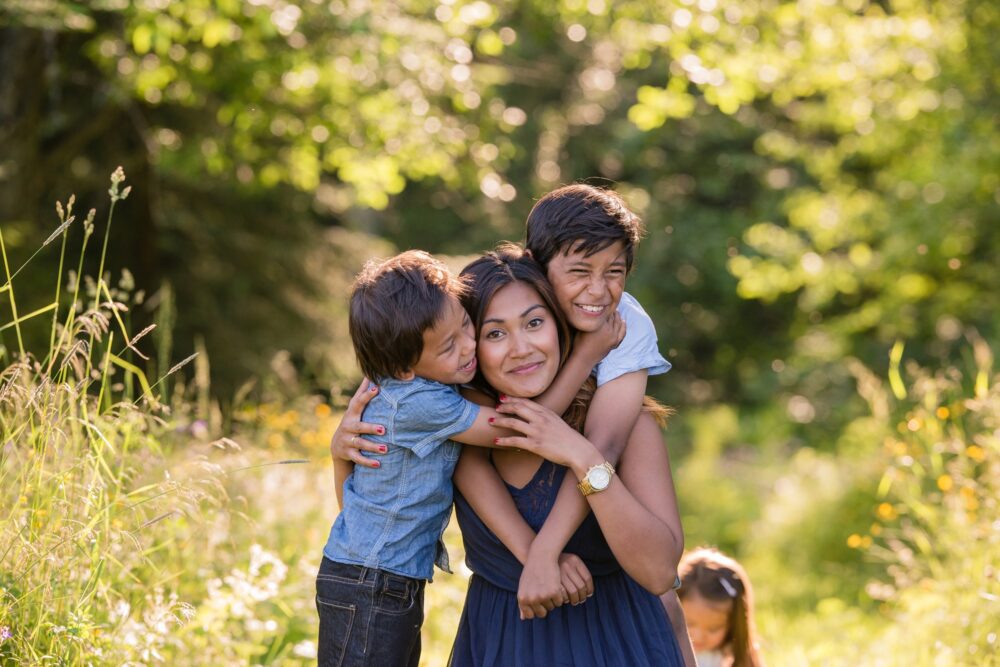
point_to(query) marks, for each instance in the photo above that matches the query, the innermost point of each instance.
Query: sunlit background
(820, 181)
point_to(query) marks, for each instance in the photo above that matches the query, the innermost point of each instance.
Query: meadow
(142, 525)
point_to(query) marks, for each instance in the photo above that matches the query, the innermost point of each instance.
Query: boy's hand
(576, 578)
(540, 589)
(346, 443)
(596, 344)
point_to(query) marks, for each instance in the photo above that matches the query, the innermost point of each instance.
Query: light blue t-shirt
(638, 351)
(393, 516)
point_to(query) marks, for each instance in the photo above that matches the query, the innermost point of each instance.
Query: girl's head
(521, 335)
(718, 605)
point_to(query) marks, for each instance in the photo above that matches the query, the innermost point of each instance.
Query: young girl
(718, 607)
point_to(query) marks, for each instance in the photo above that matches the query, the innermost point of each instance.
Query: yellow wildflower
(886, 512)
(942, 412)
(976, 453)
(854, 541)
(944, 482)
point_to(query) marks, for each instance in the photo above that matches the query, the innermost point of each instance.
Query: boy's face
(588, 287)
(449, 354)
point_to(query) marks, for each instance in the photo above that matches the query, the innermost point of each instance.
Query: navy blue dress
(621, 624)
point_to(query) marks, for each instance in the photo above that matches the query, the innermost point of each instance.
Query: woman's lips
(524, 369)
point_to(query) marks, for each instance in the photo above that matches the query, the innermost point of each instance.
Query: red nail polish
(380, 430)
(503, 397)
(373, 388)
(491, 420)
(496, 441)
(377, 464)
(383, 449)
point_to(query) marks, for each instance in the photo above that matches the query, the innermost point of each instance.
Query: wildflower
(945, 483)
(976, 453)
(854, 541)
(942, 413)
(5, 633)
(886, 512)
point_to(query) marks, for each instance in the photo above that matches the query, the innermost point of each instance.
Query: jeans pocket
(396, 596)
(336, 620)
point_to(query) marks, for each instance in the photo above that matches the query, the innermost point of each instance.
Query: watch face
(599, 478)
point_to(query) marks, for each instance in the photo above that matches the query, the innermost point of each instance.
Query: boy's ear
(528, 253)
(406, 375)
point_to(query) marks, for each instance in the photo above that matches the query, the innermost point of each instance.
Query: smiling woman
(620, 555)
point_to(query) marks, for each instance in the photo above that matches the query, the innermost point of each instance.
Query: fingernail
(377, 464)
(383, 449)
(503, 397)
(496, 441)
(373, 388)
(380, 430)
(491, 420)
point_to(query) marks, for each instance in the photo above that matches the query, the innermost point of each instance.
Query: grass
(132, 533)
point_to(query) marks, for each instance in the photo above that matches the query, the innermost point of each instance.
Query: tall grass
(85, 496)
(128, 536)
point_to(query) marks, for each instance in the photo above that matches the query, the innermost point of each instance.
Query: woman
(625, 552)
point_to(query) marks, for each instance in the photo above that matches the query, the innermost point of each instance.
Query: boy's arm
(341, 471)
(588, 350)
(675, 613)
(610, 420)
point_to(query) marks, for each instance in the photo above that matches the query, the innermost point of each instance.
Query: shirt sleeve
(638, 351)
(430, 415)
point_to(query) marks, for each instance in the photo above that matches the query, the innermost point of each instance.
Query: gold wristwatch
(597, 479)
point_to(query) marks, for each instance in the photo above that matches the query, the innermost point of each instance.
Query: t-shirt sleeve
(638, 351)
(429, 416)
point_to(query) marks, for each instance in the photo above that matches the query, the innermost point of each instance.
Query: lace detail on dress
(535, 500)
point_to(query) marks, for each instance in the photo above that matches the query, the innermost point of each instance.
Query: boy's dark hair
(581, 217)
(392, 303)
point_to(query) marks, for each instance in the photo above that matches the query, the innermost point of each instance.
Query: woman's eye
(492, 334)
(535, 322)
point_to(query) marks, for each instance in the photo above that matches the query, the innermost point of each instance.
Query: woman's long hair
(719, 579)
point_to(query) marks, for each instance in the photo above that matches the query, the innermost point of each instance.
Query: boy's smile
(449, 355)
(588, 287)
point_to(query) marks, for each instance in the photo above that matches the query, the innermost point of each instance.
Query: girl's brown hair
(717, 578)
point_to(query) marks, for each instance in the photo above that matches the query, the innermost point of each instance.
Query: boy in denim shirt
(413, 338)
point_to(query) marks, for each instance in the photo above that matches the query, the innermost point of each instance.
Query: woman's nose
(519, 345)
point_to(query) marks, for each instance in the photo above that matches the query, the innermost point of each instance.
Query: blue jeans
(367, 618)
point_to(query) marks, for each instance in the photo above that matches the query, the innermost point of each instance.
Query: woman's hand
(346, 443)
(540, 589)
(595, 345)
(544, 434)
(575, 578)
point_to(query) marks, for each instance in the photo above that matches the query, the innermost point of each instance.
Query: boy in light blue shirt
(413, 338)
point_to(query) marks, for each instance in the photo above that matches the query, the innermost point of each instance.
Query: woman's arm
(637, 512)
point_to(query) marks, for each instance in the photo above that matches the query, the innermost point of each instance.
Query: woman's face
(518, 345)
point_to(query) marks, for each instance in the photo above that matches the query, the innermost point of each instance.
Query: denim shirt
(638, 351)
(393, 516)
